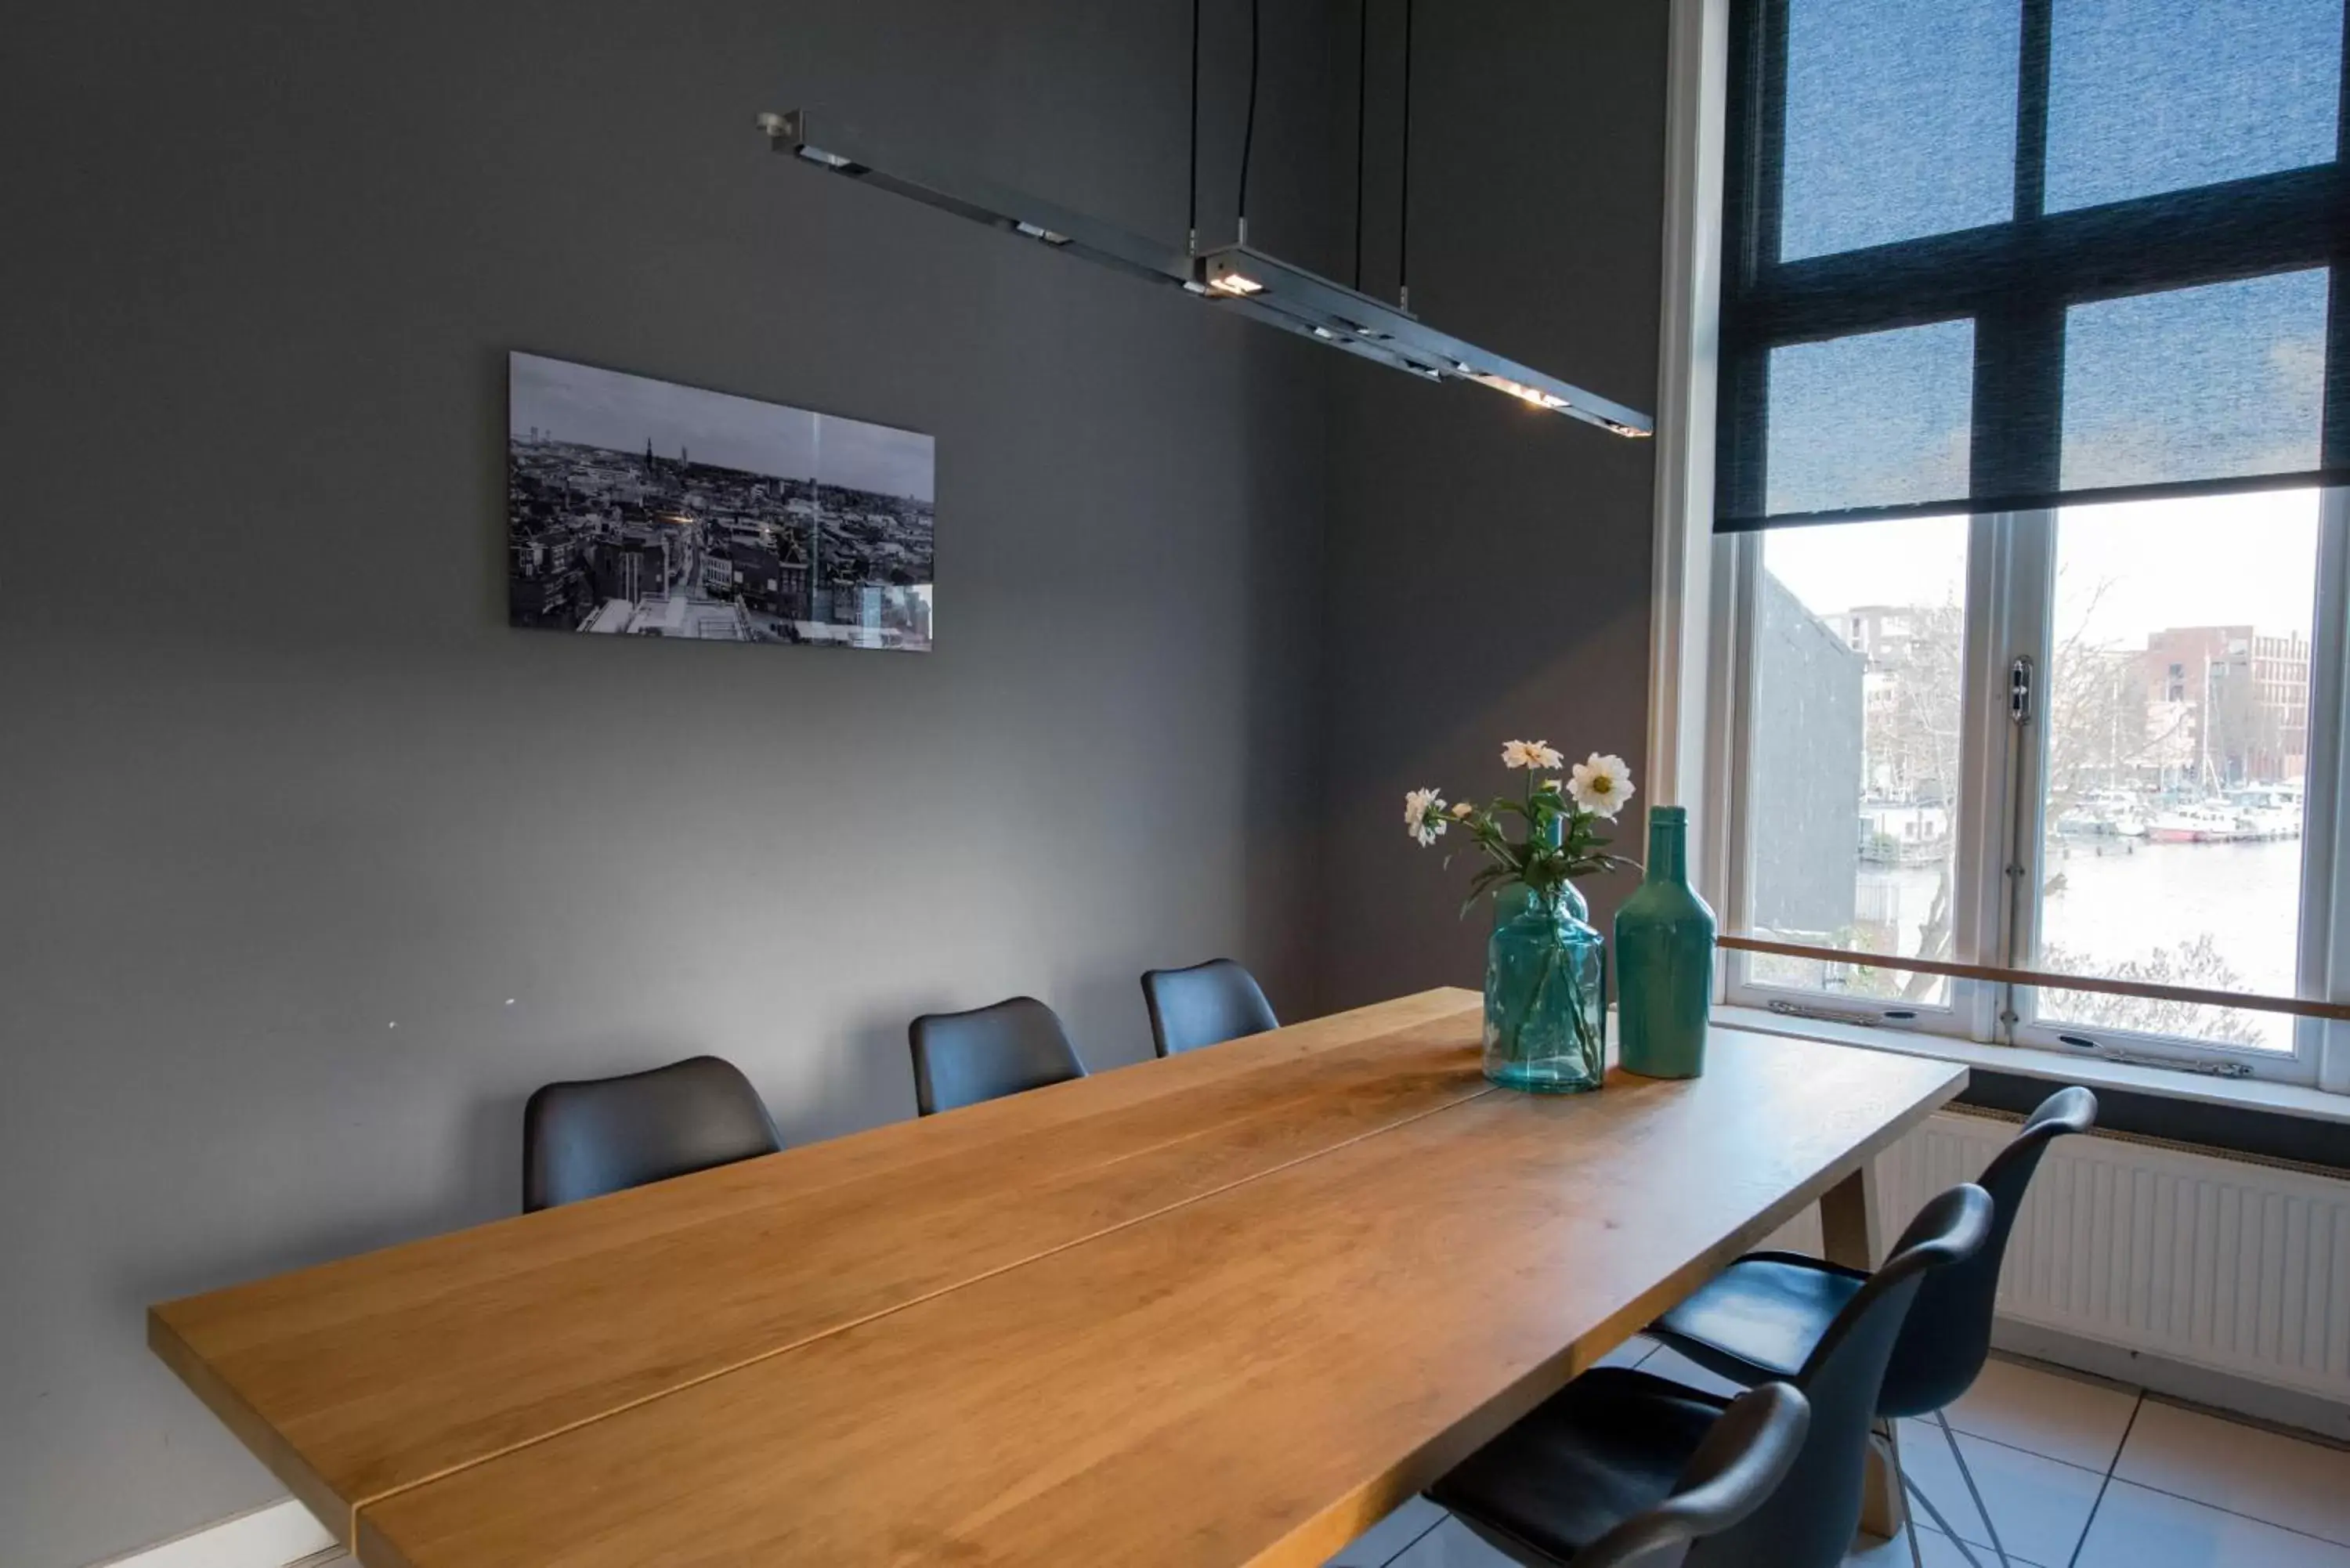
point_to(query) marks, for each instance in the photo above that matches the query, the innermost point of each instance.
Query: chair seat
(1610, 1444)
(1757, 1321)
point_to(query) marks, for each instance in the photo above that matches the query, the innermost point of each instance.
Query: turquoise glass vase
(1545, 1000)
(1514, 898)
(1664, 960)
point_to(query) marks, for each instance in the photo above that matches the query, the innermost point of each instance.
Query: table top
(1225, 1308)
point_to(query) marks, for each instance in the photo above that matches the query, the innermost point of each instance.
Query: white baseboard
(2178, 1379)
(280, 1535)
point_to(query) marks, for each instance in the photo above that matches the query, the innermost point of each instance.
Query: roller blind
(1988, 255)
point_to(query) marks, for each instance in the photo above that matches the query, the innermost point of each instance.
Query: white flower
(1601, 785)
(1530, 755)
(1423, 815)
(1461, 813)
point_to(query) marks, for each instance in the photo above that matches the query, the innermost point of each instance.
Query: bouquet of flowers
(1562, 820)
(1546, 974)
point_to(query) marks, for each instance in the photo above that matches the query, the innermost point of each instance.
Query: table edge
(1321, 1537)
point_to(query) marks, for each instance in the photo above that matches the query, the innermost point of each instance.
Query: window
(2174, 826)
(1853, 762)
(2035, 430)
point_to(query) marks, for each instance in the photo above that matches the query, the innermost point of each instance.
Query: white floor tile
(1378, 1545)
(2040, 1505)
(2135, 1528)
(2302, 1486)
(1452, 1544)
(1669, 1363)
(2077, 1420)
(1631, 1353)
(1936, 1550)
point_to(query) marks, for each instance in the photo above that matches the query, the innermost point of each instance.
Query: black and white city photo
(645, 508)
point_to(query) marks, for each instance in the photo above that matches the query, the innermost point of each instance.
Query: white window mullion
(2325, 824)
(1717, 851)
(2007, 619)
(1730, 693)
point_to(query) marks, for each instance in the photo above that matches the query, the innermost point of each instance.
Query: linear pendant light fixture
(1235, 276)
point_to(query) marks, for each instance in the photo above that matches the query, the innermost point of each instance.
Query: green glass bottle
(1664, 960)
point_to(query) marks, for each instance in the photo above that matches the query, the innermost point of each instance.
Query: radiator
(2239, 1267)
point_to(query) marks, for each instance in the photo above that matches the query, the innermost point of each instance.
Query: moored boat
(2204, 824)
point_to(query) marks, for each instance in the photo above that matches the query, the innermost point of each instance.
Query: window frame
(2323, 961)
(2318, 971)
(2015, 281)
(1969, 1009)
(1999, 820)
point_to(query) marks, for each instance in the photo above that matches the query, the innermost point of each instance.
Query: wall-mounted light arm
(844, 152)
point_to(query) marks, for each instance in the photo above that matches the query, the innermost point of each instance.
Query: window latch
(2209, 1066)
(2019, 692)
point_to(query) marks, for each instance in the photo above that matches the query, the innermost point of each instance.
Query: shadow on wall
(1396, 906)
(490, 1132)
(1284, 813)
(1106, 1018)
(873, 1070)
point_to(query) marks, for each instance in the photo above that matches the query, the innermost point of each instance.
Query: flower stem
(1533, 1003)
(1593, 1052)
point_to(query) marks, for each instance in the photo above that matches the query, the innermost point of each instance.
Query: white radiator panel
(2241, 1267)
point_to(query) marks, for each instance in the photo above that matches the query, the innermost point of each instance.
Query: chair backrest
(595, 1135)
(1205, 1004)
(1810, 1521)
(1734, 1472)
(962, 1058)
(1948, 1336)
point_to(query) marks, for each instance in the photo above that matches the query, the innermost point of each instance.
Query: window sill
(2238, 1093)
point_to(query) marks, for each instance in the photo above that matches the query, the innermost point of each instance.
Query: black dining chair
(1761, 1316)
(1611, 1443)
(1205, 1004)
(1691, 1471)
(590, 1137)
(962, 1058)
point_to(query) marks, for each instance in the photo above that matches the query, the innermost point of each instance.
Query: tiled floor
(2077, 1473)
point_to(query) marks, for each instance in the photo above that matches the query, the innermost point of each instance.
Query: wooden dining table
(1226, 1308)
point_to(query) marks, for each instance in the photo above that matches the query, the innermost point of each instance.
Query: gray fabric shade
(1995, 255)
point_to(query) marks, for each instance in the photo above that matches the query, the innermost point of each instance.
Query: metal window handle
(2018, 869)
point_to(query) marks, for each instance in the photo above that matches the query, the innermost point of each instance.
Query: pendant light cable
(1362, 100)
(1248, 127)
(1192, 242)
(1403, 219)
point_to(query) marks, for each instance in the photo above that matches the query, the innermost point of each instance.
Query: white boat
(2105, 814)
(2203, 824)
(2267, 811)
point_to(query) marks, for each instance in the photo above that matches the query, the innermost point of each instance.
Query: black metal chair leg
(1968, 1476)
(1940, 1523)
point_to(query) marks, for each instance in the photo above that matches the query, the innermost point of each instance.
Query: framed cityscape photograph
(642, 508)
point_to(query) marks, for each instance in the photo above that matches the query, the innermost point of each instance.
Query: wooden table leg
(1848, 1221)
(1848, 1236)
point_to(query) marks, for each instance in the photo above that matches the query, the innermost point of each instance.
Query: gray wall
(278, 777)
(1489, 568)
